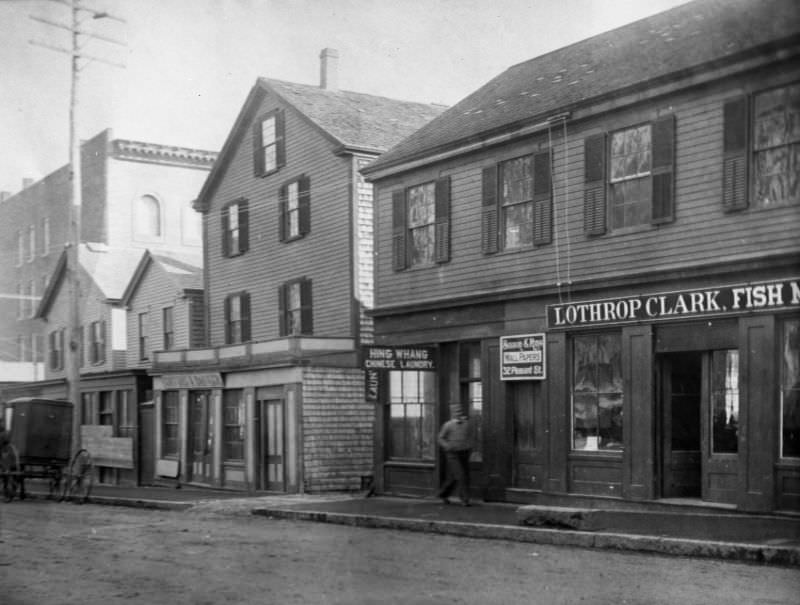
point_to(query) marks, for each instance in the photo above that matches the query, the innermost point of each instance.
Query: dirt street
(217, 553)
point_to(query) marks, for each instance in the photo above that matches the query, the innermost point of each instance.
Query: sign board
(522, 357)
(377, 360)
(200, 380)
(105, 449)
(719, 301)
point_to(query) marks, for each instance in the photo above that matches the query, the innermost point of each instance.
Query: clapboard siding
(323, 255)
(700, 232)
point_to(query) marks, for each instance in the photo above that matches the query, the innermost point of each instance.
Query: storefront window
(412, 426)
(472, 392)
(725, 402)
(107, 408)
(233, 425)
(790, 390)
(169, 443)
(126, 420)
(597, 393)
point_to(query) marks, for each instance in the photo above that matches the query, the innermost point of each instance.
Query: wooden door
(200, 438)
(272, 446)
(721, 425)
(147, 445)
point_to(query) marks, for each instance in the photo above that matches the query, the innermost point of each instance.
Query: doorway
(699, 420)
(271, 445)
(200, 438)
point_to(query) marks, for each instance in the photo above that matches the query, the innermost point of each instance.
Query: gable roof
(653, 50)
(354, 121)
(110, 270)
(185, 272)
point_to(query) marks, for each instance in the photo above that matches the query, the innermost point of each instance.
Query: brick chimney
(329, 69)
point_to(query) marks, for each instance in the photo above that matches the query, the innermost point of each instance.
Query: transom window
(412, 423)
(421, 222)
(516, 200)
(776, 147)
(631, 190)
(597, 392)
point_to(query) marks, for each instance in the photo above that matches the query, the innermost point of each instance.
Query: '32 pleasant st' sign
(723, 300)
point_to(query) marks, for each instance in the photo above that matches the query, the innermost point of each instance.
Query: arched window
(148, 216)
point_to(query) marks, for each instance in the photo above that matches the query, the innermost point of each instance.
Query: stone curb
(751, 553)
(119, 501)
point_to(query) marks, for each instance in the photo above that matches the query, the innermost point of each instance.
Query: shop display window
(597, 393)
(233, 425)
(790, 390)
(169, 427)
(412, 422)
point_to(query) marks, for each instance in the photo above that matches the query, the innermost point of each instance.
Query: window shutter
(244, 305)
(594, 192)
(226, 245)
(443, 220)
(304, 204)
(306, 314)
(101, 354)
(258, 152)
(227, 320)
(244, 226)
(734, 155)
(663, 171)
(282, 323)
(489, 211)
(399, 230)
(280, 139)
(542, 199)
(51, 339)
(283, 196)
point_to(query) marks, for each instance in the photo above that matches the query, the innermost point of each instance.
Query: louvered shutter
(101, 353)
(225, 227)
(282, 324)
(489, 211)
(244, 306)
(594, 192)
(244, 226)
(304, 204)
(542, 199)
(82, 345)
(306, 309)
(734, 155)
(662, 170)
(442, 250)
(258, 151)
(399, 230)
(227, 320)
(280, 139)
(283, 197)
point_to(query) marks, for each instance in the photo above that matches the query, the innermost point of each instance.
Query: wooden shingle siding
(338, 428)
(365, 249)
(323, 255)
(699, 230)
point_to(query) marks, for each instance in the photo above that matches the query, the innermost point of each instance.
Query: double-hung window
(269, 147)
(237, 318)
(169, 424)
(294, 200)
(235, 228)
(421, 225)
(762, 146)
(56, 343)
(144, 350)
(31, 243)
(517, 207)
(97, 345)
(168, 325)
(629, 177)
(294, 308)
(412, 418)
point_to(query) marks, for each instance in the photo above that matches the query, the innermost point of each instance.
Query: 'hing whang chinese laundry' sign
(673, 305)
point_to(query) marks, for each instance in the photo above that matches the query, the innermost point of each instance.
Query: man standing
(455, 438)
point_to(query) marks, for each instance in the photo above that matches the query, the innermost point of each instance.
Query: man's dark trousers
(457, 473)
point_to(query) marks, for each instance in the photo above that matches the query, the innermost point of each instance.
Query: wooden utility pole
(73, 348)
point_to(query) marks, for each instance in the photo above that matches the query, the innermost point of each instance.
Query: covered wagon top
(651, 52)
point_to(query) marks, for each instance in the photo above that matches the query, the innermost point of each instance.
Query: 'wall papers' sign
(522, 357)
(723, 300)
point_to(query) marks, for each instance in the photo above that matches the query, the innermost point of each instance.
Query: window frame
(425, 450)
(97, 343)
(241, 322)
(56, 346)
(31, 243)
(300, 211)
(236, 211)
(401, 230)
(233, 431)
(153, 213)
(290, 314)
(45, 235)
(143, 320)
(168, 327)
(790, 356)
(277, 142)
(170, 424)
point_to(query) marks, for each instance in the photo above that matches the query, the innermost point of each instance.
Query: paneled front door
(200, 437)
(272, 445)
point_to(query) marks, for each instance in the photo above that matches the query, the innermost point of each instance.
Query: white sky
(189, 64)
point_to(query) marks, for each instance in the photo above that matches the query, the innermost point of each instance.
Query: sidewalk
(771, 539)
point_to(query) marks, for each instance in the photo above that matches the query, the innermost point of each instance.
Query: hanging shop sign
(376, 360)
(723, 300)
(522, 357)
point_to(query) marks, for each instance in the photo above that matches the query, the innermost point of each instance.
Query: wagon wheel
(9, 470)
(80, 478)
